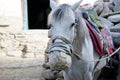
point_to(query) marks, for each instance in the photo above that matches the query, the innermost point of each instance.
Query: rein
(110, 55)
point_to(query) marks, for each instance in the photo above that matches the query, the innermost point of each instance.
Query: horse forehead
(68, 17)
(64, 11)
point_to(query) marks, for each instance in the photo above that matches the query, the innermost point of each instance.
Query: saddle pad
(109, 42)
(101, 49)
(96, 39)
(95, 18)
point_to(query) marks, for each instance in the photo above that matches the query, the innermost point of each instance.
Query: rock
(110, 14)
(111, 5)
(114, 18)
(106, 8)
(14, 53)
(22, 47)
(115, 29)
(115, 34)
(98, 8)
(116, 38)
(29, 55)
(98, 2)
(116, 41)
(117, 5)
(117, 25)
(106, 22)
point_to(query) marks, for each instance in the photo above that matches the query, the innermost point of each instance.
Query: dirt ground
(12, 68)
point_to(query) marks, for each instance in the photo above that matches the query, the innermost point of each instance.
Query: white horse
(71, 48)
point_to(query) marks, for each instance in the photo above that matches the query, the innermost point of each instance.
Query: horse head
(62, 22)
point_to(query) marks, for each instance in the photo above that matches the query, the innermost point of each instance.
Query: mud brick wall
(23, 44)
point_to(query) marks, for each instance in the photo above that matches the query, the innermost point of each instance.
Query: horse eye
(72, 24)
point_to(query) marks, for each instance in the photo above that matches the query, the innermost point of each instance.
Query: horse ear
(53, 4)
(76, 5)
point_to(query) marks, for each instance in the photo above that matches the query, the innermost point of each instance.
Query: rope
(106, 57)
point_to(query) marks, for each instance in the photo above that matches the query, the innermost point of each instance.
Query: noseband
(64, 46)
(61, 38)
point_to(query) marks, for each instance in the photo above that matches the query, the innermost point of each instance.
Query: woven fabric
(95, 18)
(95, 39)
(106, 33)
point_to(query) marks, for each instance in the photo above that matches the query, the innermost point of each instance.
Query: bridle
(63, 46)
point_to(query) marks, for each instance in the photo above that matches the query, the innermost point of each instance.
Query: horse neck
(82, 38)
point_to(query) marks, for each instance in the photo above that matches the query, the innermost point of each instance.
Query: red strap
(95, 39)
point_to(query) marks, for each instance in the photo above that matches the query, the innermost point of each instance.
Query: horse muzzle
(59, 55)
(59, 60)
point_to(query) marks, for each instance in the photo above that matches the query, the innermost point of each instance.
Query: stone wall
(23, 44)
